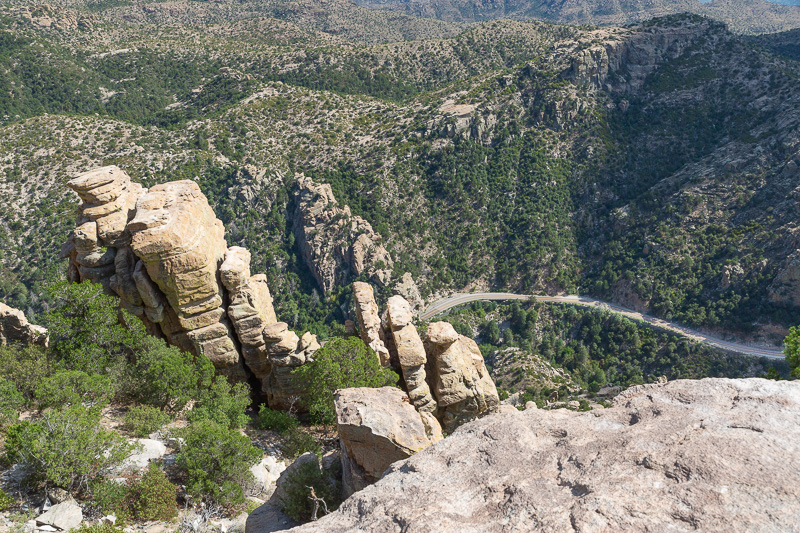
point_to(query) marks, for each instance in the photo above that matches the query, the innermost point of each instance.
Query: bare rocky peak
(715, 455)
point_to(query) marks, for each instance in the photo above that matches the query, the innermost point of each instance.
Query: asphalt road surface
(460, 299)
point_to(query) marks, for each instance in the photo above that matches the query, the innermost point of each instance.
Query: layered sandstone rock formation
(715, 455)
(163, 252)
(15, 328)
(335, 245)
(410, 353)
(444, 375)
(378, 427)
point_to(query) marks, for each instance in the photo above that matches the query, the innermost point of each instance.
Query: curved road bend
(460, 299)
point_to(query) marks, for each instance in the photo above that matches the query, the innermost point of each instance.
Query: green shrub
(142, 420)
(223, 404)
(167, 378)
(98, 528)
(26, 367)
(279, 421)
(297, 503)
(791, 348)
(73, 387)
(6, 501)
(67, 448)
(11, 402)
(112, 498)
(150, 497)
(340, 364)
(86, 332)
(153, 496)
(216, 461)
(297, 442)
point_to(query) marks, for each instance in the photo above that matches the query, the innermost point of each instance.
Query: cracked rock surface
(714, 455)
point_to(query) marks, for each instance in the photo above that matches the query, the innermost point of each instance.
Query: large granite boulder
(713, 455)
(15, 328)
(181, 243)
(458, 376)
(378, 427)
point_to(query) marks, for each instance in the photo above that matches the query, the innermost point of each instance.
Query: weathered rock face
(336, 245)
(376, 428)
(407, 288)
(181, 244)
(15, 328)
(635, 55)
(458, 378)
(163, 252)
(369, 320)
(445, 376)
(713, 455)
(410, 354)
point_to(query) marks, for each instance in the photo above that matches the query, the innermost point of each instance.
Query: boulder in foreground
(714, 455)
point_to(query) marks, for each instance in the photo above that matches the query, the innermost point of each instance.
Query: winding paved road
(460, 299)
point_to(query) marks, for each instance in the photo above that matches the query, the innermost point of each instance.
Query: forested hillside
(655, 166)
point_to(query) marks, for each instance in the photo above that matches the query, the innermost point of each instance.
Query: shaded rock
(14, 327)
(458, 377)
(710, 455)
(376, 428)
(334, 244)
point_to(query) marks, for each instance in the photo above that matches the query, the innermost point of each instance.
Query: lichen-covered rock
(15, 328)
(410, 354)
(376, 428)
(458, 377)
(334, 244)
(713, 455)
(369, 321)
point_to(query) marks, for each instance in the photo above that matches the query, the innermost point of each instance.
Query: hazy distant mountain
(746, 16)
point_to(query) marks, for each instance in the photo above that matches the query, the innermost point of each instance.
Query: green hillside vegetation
(482, 159)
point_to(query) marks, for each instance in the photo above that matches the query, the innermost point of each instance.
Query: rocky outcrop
(410, 354)
(335, 245)
(181, 244)
(785, 288)
(711, 455)
(445, 375)
(376, 428)
(407, 288)
(15, 328)
(369, 320)
(163, 252)
(459, 380)
(633, 56)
